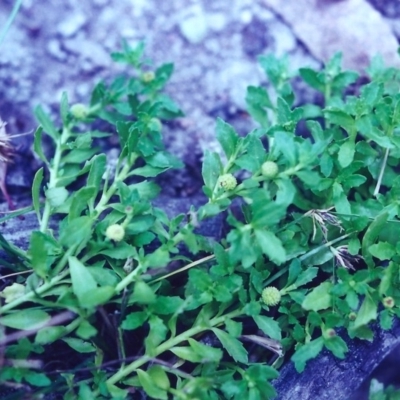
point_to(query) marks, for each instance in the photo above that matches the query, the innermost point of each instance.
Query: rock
(353, 27)
(194, 27)
(71, 25)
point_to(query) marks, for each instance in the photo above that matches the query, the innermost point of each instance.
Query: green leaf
(64, 108)
(212, 169)
(233, 346)
(313, 78)
(340, 118)
(373, 231)
(57, 196)
(120, 252)
(159, 377)
(306, 276)
(76, 232)
(98, 296)
(284, 142)
(86, 330)
(82, 280)
(97, 170)
(382, 250)
(186, 353)
(227, 137)
(134, 320)
(319, 298)
(36, 185)
(150, 387)
(42, 249)
(29, 319)
(206, 353)
(50, 334)
(80, 201)
(386, 281)
(367, 312)
(37, 379)
(166, 305)
(143, 293)
(37, 144)
(79, 345)
(307, 352)
(269, 326)
(157, 334)
(46, 122)
(271, 246)
(346, 153)
(337, 346)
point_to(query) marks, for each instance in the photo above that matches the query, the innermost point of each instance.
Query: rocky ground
(56, 46)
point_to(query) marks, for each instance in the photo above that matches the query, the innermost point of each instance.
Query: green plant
(311, 249)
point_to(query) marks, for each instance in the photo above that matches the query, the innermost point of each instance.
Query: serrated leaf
(307, 352)
(271, 246)
(313, 78)
(269, 326)
(346, 153)
(337, 346)
(50, 334)
(205, 352)
(29, 319)
(134, 320)
(368, 312)
(149, 386)
(211, 170)
(79, 345)
(82, 280)
(227, 137)
(233, 346)
(382, 250)
(56, 196)
(46, 123)
(306, 276)
(319, 298)
(38, 146)
(76, 231)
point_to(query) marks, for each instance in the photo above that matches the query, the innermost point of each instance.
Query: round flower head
(115, 232)
(271, 296)
(227, 182)
(269, 169)
(79, 111)
(388, 302)
(148, 76)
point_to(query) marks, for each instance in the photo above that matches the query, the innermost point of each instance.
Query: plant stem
(381, 172)
(10, 20)
(54, 170)
(168, 344)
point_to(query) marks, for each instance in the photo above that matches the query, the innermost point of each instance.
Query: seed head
(271, 296)
(227, 182)
(115, 232)
(269, 169)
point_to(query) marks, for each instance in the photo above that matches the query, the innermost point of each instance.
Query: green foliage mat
(142, 303)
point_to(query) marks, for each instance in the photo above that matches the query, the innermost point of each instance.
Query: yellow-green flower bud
(352, 316)
(79, 111)
(269, 169)
(227, 182)
(388, 302)
(329, 333)
(115, 232)
(148, 76)
(12, 292)
(271, 296)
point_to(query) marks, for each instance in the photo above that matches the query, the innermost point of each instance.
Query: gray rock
(71, 25)
(353, 27)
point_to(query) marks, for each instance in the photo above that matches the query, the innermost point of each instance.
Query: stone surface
(353, 27)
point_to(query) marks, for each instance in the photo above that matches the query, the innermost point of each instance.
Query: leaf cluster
(319, 223)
